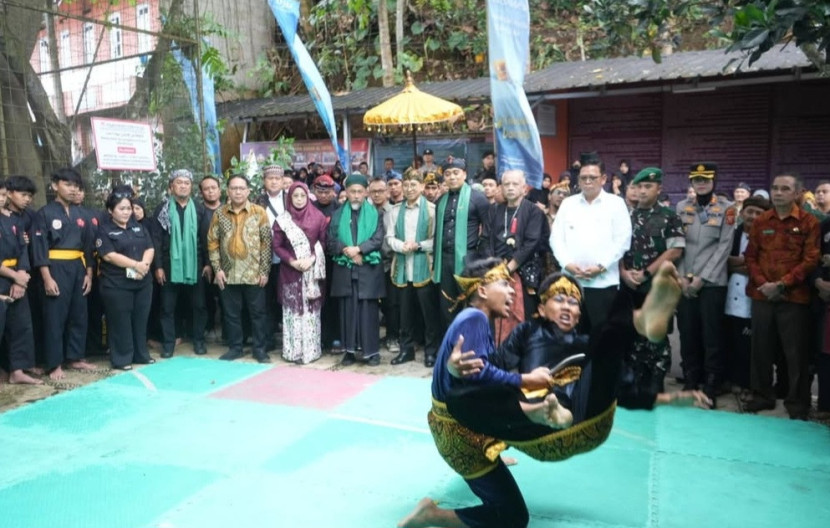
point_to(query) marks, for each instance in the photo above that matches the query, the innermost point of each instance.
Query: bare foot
(80, 365)
(537, 412)
(509, 460)
(35, 371)
(428, 515)
(20, 377)
(652, 320)
(559, 416)
(57, 374)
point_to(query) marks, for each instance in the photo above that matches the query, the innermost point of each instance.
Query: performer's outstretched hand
(463, 364)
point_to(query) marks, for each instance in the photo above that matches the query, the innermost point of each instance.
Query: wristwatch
(420, 247)
(646, 273)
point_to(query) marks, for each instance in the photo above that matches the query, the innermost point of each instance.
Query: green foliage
(282, 154)
(758, 25)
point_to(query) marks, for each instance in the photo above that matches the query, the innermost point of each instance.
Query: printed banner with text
(287, 13)
(517, 139)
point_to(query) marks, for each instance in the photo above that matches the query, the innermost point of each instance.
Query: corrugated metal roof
(562, 76)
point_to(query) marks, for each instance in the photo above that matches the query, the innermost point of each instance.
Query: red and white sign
(123, 145)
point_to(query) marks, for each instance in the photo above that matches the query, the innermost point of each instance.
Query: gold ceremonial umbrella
(411, 111)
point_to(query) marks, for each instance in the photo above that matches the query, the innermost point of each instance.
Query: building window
(116, 45)
(89, 42)
(66, 50)
(43, 52)
(142, 21)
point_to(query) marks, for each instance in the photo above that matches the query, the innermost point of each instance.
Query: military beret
(356, 178)
(649, 174)
(455, 163)
(703, 170)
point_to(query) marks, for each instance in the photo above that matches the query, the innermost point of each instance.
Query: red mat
(315, 389)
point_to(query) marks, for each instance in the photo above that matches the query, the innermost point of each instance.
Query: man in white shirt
(273, 201)
(591, 234)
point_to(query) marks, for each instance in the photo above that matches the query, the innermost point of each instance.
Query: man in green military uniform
(709, 221)
(657, 236)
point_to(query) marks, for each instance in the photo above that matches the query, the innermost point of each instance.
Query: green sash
(460, 232)
(184, 268)
(420, 263)
(367, 223)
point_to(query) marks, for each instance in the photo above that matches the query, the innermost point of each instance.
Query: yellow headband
(469, 285)
(560, 185)
(564, 286)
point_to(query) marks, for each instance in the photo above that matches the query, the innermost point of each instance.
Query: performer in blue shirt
(478, 413)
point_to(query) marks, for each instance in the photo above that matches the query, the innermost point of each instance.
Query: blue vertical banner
(287, 13)
(517, 139)
(209, 102)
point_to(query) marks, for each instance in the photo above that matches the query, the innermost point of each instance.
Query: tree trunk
(400, 8)
(33, 147)
(305, 13)
(385, 44)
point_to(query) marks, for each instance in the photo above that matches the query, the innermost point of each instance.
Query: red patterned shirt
(784, 250)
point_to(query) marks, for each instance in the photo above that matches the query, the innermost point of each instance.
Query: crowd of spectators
(318, 261)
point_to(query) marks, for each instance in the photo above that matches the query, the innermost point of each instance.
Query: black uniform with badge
(16, 317)
(653, 232)
(63, 241)
(126, 298)
(95, 335)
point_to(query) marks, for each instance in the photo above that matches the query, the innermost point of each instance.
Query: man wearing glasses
(239, 247)
(591, 234)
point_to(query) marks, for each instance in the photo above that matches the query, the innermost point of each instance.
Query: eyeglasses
(561, 193)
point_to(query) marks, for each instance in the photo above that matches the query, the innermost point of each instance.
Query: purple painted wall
(751, 132)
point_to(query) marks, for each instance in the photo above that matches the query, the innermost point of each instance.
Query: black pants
(16, 331)
(823, 371)
(701, 324)
(595, 307)
(448, 291)
(170, 295)
(418, 307)
(127, 313)
(782, 327)
(273, 309)
(502, 503)
(391, 307)
(360, 324)
(252, 297)
(96, 338)
(65, 316)
(330, 314)
(213, 303)
(739, 350)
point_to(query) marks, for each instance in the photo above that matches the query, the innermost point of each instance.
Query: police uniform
(654, 231)
(708, 230)
(63, 241)
(126, 299)
(15, 318)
